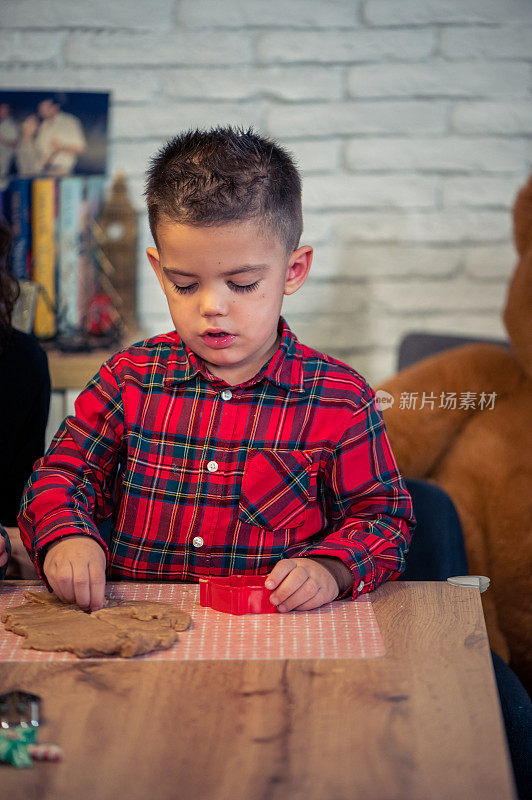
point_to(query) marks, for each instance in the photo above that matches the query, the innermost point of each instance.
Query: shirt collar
(283, 369)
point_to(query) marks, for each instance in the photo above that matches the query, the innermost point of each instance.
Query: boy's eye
(183, 289)
(247, 287)
(236, 287)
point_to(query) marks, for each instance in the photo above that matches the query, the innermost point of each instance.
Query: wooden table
(422, 722)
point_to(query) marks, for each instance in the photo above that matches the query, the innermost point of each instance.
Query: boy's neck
(235, 376)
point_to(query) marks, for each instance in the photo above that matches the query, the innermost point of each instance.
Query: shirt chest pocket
(276, 488)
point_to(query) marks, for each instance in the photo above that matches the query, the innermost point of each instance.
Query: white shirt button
(197, 541)
(227, 394)
(212, 466)
(360, 586)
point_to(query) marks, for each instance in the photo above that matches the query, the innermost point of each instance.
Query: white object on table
(479, 582)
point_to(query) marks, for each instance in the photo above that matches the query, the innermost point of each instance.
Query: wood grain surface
(422, 722)
(74, 370)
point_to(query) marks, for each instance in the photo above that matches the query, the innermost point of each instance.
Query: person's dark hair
(9, 287)
(59, 98)
(226, 174)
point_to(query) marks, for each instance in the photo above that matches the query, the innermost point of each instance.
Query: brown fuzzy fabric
(483, 458)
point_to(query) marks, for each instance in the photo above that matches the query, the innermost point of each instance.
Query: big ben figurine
(117, 231)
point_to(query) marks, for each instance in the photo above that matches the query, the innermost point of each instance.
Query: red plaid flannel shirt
(203, 478)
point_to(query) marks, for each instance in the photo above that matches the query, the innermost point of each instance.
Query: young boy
(225, 446)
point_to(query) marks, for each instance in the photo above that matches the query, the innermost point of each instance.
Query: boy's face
(229, 279)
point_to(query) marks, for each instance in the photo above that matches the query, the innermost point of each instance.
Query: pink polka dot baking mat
(342, 629)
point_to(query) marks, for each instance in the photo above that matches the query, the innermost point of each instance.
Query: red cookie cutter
(237, 594)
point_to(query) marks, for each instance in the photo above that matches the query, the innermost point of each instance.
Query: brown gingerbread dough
(123, 627)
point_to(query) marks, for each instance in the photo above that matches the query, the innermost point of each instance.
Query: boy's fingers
(76, 571)
(315, 601)
(55, 586)
(81, 580)
(291, 584)
(279, 572)
(290, 594)
(3, 559)
(97, 586)
(63, 584)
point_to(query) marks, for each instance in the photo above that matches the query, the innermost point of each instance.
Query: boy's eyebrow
(236, 271)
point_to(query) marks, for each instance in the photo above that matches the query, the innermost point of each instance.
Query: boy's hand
(75, 568)
(301, 584)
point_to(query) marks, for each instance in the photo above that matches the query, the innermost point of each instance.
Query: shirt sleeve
(74, 135)
(70, 489)
(370, 513)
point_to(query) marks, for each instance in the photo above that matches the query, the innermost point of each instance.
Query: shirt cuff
(356, 558)
(340, 572)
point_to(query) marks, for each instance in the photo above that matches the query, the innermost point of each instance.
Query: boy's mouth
(217, 338)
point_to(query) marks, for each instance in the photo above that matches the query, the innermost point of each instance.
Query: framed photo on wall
(52, 134)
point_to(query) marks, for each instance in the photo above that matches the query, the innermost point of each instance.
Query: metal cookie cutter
(237, 594)
(19, 708)
(19, 723)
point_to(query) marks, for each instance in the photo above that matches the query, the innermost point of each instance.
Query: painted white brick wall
(411, 122)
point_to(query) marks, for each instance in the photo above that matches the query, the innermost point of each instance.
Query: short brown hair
(223, 175)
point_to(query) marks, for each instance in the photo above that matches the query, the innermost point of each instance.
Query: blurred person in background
(60, 138)
(8, 141)
(24, 405)
(50, 142)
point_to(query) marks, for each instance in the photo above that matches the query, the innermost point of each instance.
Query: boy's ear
(153, 258)
(298, 269)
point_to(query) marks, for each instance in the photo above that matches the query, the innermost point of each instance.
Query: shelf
(74, 370)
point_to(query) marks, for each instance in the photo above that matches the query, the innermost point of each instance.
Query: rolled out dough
(123, 627)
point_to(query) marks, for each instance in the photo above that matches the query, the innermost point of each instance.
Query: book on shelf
(44, 207)
(69, 235)
(89, 271)
(18, 214)
(4, 202)
(70, 290)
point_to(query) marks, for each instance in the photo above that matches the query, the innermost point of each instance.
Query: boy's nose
(212, 304)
